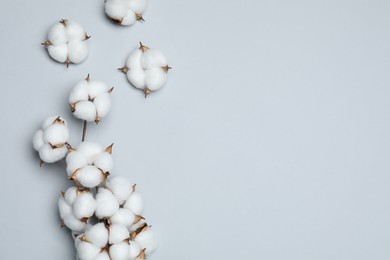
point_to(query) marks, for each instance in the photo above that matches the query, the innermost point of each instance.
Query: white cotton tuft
(51, 155)
(38, 140)
(84, 205)
(146, 239)
(98, 235)
(120, 251)
(67, 42)
(90, 150)
(118, 233)
(124, 217)
(134, 203)
(74, 224)
(71, 195)
(102, 256)
(89, 176)
(64, 208)
(56, 134)
(155, 78)
(120, 187)
(153, 59)
(87, 251)
(74, 161)
(107, 205)
(134, 250)
(103, 104)
(85, 110)
(79, 92)
(103, 161)
(125, 12)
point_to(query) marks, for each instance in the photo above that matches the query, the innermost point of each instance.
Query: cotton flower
(50, 140)
(67, 42)
(125, 12)
(90, 100)
(76, 206)
(89, 164)
(146, 69)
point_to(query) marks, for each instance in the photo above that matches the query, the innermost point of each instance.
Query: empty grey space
(270, 140)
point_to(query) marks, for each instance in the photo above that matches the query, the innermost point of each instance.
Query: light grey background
(270, 141)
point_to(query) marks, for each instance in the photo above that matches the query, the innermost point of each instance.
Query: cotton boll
(155, 78)
(120, 251)
(103, 161)
(97, 235)
(124, 217)
(50, 155)
(89, 176)
(120, 187)
(146, 239)
(78, 51)
(134, 250)
(90, 100)
(103, 104)
(85, 110)
(84, 205)
(153, 59)
(87, 251)
(58, 52)
(116, 10)
(79, 92)
(67, 42)
(146, 69)
(134, 203)
(118, 233)
(38, 140)
(107, 205)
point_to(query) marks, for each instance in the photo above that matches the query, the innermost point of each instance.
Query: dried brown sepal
(55, 146)
(41, 162)
(84, 238)
(139, 17)
(124, 69)
(109, 149)
(84, 220)
(98, 119)
(72, 107)
(110, 90)
(67, 62)
(64, 22)
(142, 255)
(147, 92)
(142, 47)
(58, 120)
(62, 194)
(139, 230)
(87, 37)
(62, 225)
(46, 43)
(70, 148)
(134, 187)
(166, 68)
(137, 219)
(88, 78)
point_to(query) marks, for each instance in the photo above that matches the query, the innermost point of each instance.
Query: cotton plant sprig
(146, 69)
(125, 12)
(67, 42)
(104, 213)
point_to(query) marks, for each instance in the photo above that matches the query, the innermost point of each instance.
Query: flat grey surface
(270, 141)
